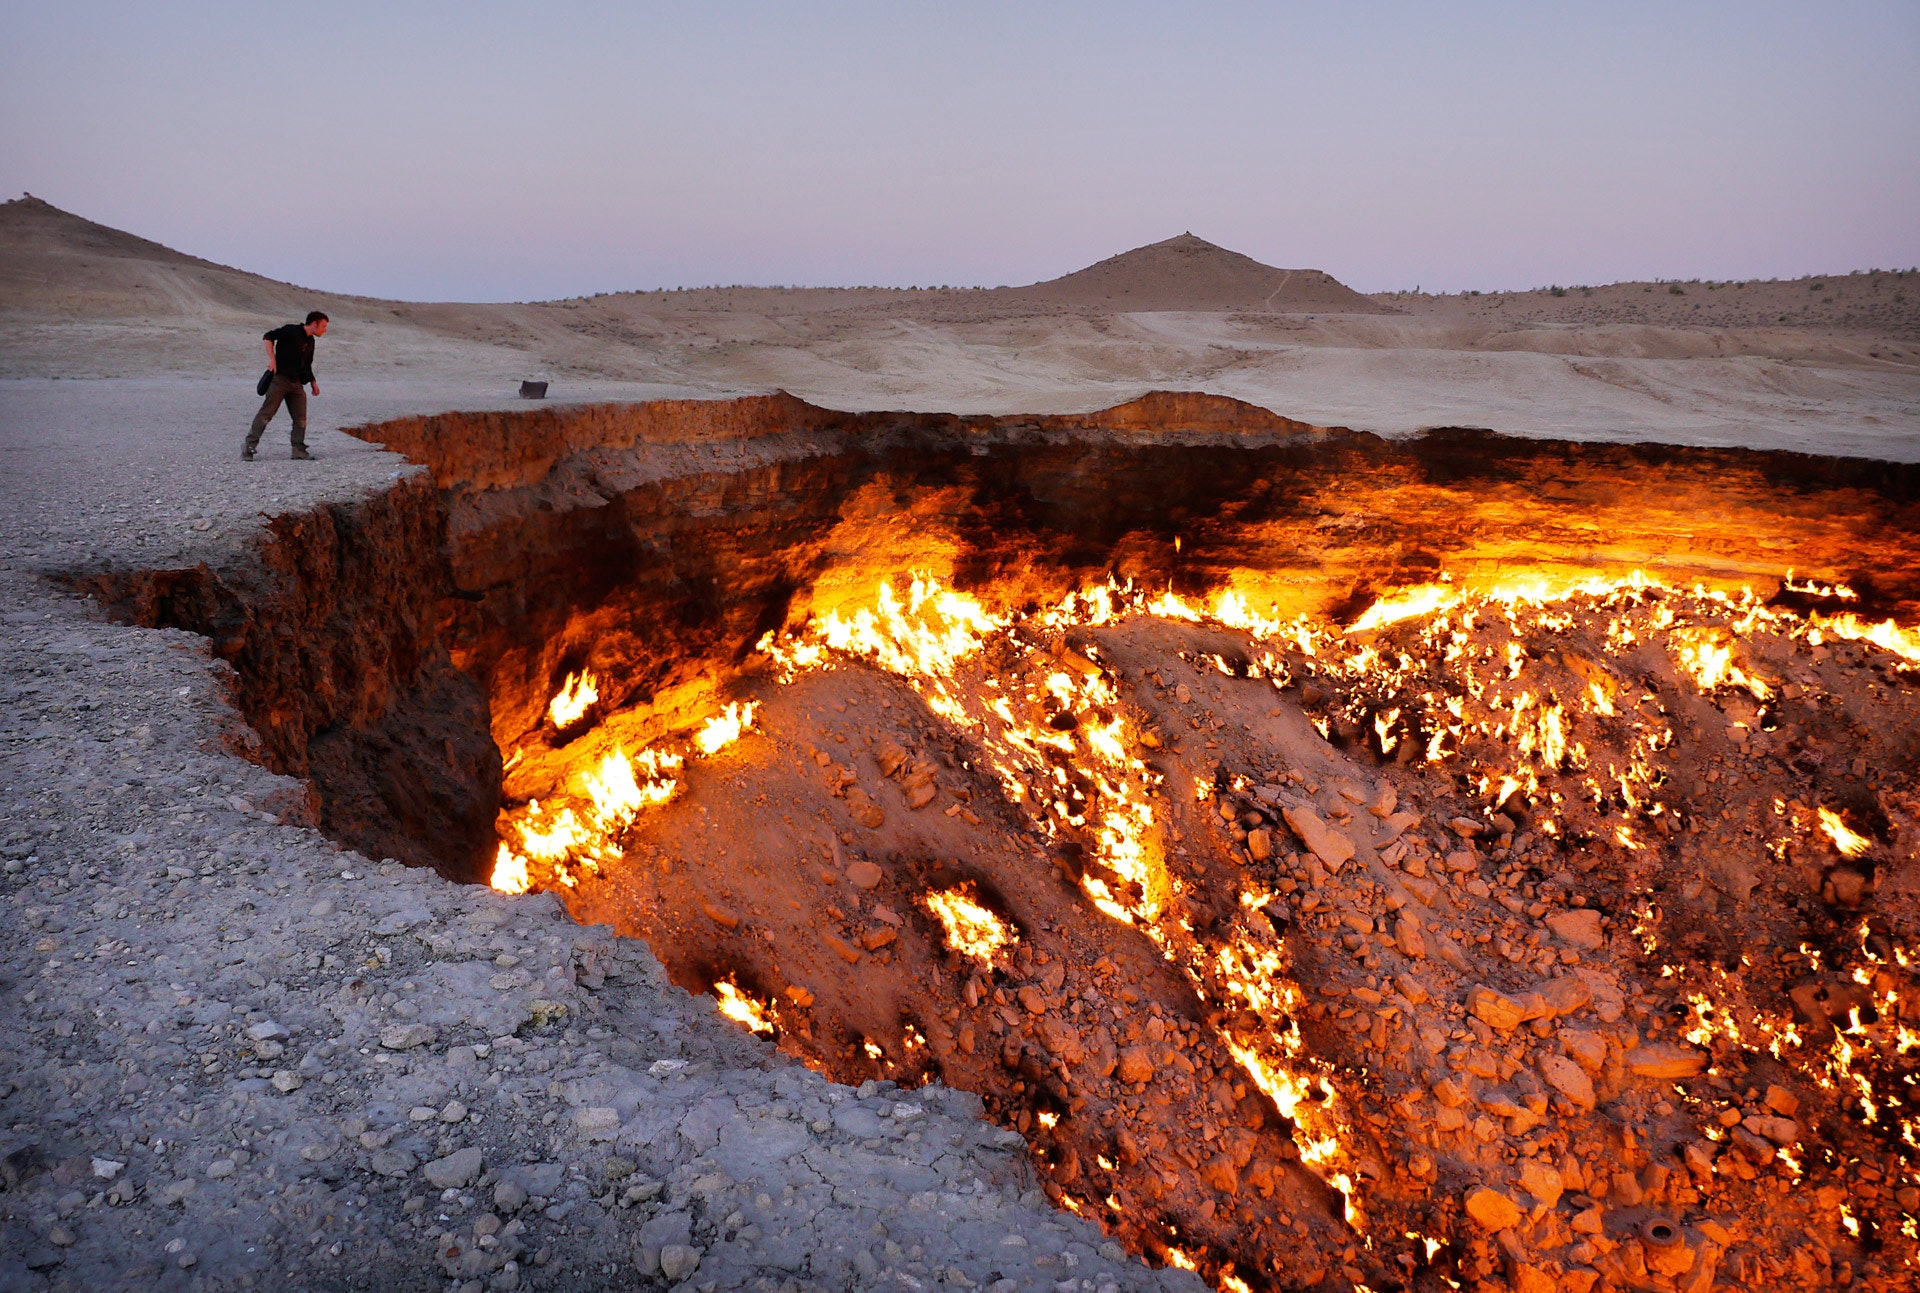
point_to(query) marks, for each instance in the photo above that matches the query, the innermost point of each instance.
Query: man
(290, 360)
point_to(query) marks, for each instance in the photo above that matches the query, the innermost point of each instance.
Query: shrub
(1676, 290)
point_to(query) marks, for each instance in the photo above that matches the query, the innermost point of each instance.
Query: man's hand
(316, 388)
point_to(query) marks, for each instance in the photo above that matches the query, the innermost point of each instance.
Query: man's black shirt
(292, 353)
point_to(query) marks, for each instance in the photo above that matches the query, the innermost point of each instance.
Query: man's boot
(300, 453)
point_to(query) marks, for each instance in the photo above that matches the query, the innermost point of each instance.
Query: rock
(454, 1112)
(720, 915)
(1698, 1155)
(1666, 1060)
(864, 875)
(1448, 1093)
(1577, 927)
(597, 1123)
(1135, 1066)
(1542, 1181)
(392, 1162)
(1495, 1009)
(1332, 848)
(1461, 861)
(267, 1031)
(1399, 824)
(61, 1237)
(1569, 1079)
(286, 1081)
(1609, 1002)
(1565, 995)
(405, 1037)
(106, 1169)
(1384, 801)
(1846, 887)
(865, 811)
(1492, 1209)
(1781, 1131)
(1407, 937)
(677, 1261)
(1782, 1101)
(1062, 1039)
(1220, 1174)
(1590, 1222)
(1260, 844)
(22, 1164)
(878, 937)
(1465, 827)
(453, 1171)
(1525, 1277)
(1587, 1049)
(509, 1197)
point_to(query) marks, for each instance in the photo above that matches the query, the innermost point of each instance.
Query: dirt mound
(1189, 273)
(53, 262)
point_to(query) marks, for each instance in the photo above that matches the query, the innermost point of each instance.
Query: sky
(491, 151)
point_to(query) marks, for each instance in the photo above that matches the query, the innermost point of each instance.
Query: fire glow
(1482, 683)
(971, 929)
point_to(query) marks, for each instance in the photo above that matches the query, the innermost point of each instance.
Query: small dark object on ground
(533, 390)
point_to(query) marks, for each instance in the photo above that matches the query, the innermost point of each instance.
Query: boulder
(1569, 1079)
(1332, 848)
(1577, 927)
(1492, 1209)
(1134, 1066)
(1542, 1181)
(1495, 1009)
(1587, 1049)
(453, 1171)
(1666, 1060)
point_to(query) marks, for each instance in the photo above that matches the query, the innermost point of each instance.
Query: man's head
(316, 323)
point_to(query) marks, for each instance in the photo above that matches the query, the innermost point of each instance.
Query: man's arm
(273, 365)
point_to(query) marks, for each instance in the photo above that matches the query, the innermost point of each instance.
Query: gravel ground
(236, 1056)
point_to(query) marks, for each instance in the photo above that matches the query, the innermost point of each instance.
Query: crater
(1341, 858)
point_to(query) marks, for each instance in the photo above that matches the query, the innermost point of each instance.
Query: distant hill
(53, 262)
(1189, 273)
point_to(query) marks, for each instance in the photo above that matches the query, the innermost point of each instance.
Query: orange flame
(576, 694)
(971, 929)
(1850, 843)
(741, 1008)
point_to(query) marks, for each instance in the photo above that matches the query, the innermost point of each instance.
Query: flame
(971, 929)
(741, 1008)
(509, 872)
(610, 795)
(1707, 654)
(1408, 603)
(724, 728)
(1849, 842)
(1886, 635)
(1446, 672)
(577, 693)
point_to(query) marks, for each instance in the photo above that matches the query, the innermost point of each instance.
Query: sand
(1828, 365)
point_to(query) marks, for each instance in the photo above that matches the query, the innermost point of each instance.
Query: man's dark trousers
(295, 396)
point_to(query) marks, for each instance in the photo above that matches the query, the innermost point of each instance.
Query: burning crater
(1349, 862)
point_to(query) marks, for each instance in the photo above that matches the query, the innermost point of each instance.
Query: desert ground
(855, 790)
(1823, 365)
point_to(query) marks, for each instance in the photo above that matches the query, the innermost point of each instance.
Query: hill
(1189, 273)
